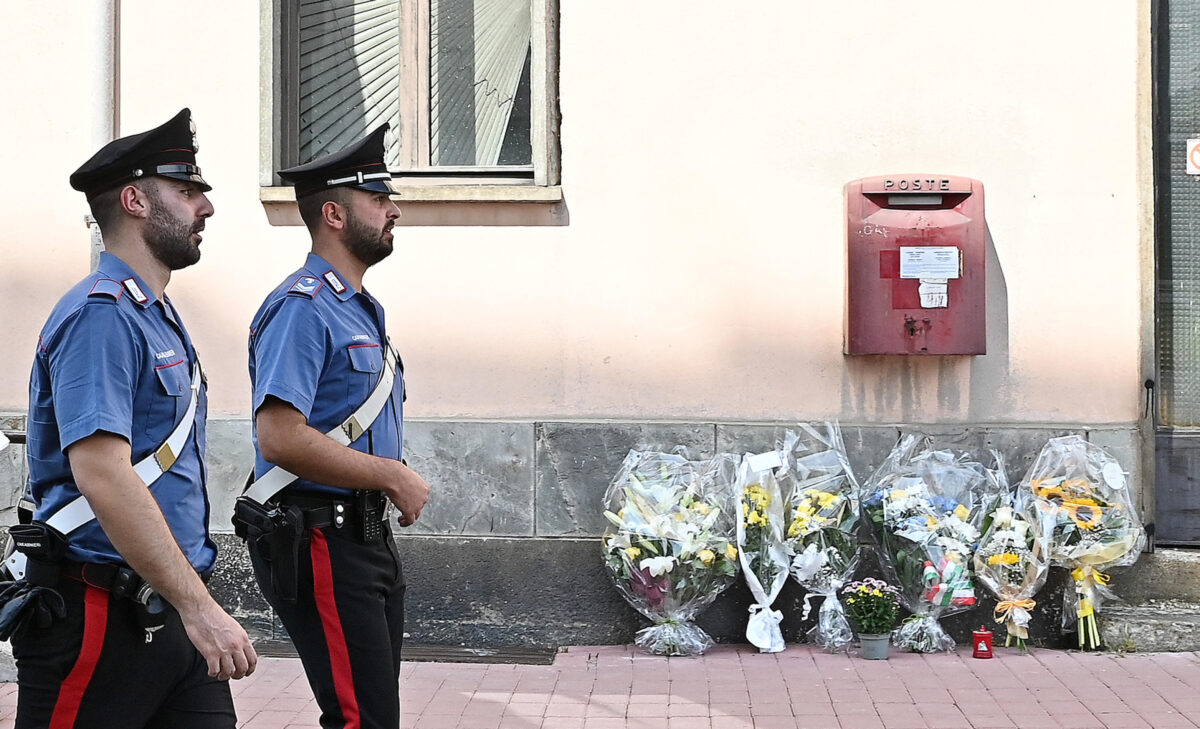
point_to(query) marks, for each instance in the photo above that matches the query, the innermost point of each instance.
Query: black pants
(95, 669)
(347, 625)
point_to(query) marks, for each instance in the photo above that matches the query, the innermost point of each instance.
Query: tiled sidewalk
(734, 687)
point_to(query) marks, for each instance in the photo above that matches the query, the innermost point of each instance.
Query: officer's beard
(367, 245)
(169, 237)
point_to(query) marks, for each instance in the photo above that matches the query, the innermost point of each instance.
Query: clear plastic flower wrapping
(670, 544)
(925, 509)
(763, 554)
(822, 525)
(1081, 500)
(1013, 560)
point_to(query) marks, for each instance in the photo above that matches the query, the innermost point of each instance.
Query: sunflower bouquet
(670, 546)
(822, 530)
(1083, 504)
(763, 554)
(926, 508)
(1012, 561)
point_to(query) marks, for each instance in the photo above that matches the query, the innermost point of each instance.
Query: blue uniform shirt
(318, 345)
(114, 358)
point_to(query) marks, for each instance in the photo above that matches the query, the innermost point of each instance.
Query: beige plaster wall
(705, 147)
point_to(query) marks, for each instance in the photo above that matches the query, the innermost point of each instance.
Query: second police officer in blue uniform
(116, 429)
(327, 399)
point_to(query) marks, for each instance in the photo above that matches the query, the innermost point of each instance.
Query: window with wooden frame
(468, 86)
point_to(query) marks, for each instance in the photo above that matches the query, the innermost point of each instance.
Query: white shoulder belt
(348, 431)
(78, 511)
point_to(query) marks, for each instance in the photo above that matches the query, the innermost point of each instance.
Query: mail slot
(915, 258)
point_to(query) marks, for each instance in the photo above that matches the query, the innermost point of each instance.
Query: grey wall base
(507, 551)
(496, 592)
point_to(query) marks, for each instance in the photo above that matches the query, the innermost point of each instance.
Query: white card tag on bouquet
(764, 461)
(1114, 476)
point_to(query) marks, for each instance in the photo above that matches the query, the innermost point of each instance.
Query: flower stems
(1089, 633)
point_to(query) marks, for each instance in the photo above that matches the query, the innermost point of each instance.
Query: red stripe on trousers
(70, 694)
(335, 639)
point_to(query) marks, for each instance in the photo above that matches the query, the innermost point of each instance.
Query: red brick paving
(735, 687)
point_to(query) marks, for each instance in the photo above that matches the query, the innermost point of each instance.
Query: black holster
(278, 533)
(44, 548)
(34, 599)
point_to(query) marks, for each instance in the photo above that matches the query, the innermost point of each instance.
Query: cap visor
(189, 178)
(378, 186)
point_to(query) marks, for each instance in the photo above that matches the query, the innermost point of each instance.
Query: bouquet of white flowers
(1012, 561)
(670, 546)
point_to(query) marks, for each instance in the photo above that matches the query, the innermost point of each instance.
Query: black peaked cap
(166, 151)
(360, 165)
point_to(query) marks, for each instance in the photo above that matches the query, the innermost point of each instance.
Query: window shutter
(349, 71)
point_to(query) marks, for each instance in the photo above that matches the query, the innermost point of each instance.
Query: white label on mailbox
(929, 262)
(934, 293)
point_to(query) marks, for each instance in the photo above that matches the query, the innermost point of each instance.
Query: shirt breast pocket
(170, 401)
(366, 364)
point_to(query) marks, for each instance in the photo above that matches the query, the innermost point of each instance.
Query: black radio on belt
(370, 506)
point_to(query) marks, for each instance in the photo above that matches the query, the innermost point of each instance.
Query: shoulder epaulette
(306, 286)
(107, 287)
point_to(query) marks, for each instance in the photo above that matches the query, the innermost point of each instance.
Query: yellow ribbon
(1082, 573)
(1005, 607)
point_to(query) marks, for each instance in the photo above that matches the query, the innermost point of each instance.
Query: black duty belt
(117, 579)
(365, 508)
(123, 582)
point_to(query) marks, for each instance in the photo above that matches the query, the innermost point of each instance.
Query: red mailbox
(915, 253)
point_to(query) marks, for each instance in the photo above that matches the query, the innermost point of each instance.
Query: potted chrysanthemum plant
(872, 606)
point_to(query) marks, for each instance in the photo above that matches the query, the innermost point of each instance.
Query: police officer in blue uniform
(319, 352)
(138, 641)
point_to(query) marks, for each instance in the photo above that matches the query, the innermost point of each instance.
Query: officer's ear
(134, 201)
(333, 214)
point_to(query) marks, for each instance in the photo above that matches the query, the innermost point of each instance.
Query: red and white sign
(1193, 156)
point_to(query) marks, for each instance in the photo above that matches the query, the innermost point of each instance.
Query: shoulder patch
(306, 286)
(135, 291)
(334, 282)
(107, 287)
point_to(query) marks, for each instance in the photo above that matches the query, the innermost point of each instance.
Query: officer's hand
(409, 493)
(221, 640)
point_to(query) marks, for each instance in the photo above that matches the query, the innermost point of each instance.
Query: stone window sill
(448, 204)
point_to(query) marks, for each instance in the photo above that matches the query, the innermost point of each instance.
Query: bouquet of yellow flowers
(1082, 501)
(670, 547)
(1012, 561)
(763, 554)
(822, 538)
(926, 508)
